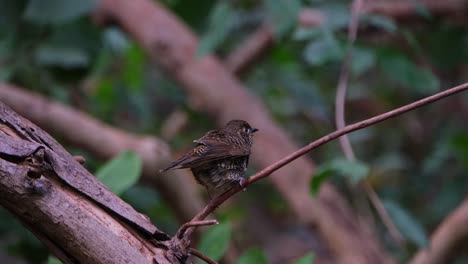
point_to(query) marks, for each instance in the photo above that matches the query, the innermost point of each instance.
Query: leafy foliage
(282, 15)
(53, 260)
(307, 259)
(57, 11)
(121, 172)
(215, 241)
(252, 256)
(420, 160)
(221, 21)
(409, 227)
(354, 171)
(401, 70)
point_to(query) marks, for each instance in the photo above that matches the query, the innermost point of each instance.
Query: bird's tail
(168, 168)
(175, 165)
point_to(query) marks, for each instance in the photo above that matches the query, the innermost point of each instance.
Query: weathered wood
(70, 171)
(74, 214)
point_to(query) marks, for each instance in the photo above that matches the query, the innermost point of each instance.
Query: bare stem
(340, 100)
(217, 201)
(343, 80)
(192, 223)
(387, 221)
(202, 256)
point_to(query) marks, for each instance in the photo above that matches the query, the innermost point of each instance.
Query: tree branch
(185, 226)
(356, 9)
(216, 202)
(202, 256)
(74, 214)
(104, 141)
(446, 239)
(211, 88)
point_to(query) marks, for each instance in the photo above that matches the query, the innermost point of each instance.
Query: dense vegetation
(416, 163)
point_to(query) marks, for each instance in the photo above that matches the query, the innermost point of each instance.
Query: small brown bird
(220, 158)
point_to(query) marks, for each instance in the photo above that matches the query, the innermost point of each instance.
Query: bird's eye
(246, 129)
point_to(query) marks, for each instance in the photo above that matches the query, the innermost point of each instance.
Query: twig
(216, 202)
(174, 123)
(380, 208)
(185, 226)
(202, 256)
(449, 237)
(340, 120)
(250, 49)
(343, 80)
(81, 160)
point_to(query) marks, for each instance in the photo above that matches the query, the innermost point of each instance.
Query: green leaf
(134, 67)
(319, 52)
(252, 256)
(422, 10)
(324, 49)
(383, 22)
(353, 170)
(407, 224)
(337, 15)
(116, 40)
(363, 59)
(307, 259)
(321, 174)
(282, 15)
(57, 11)
(53, 260)
(10, 14)
(459, 143)
(403, 71)
(66, 57)
(121, 172)
(307, 33)
(215, 241)
(221, 20)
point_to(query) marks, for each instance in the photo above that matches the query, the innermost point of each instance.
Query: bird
(220, 158)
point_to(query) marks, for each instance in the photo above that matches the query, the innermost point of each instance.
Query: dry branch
(345, 144)
(105, 142)
(216, 202)
(213, 89)
(451, 234)
(74, 214)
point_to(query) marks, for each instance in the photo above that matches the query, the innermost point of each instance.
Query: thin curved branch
(213, 89)
(202, 256)
(249, 50)
(345, 144)
(216, 202)
(185, 226)
(446, 239)
(344, 77)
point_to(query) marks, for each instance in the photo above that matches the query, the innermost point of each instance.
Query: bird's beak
(254, 130)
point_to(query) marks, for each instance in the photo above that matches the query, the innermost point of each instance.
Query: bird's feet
(242, 183)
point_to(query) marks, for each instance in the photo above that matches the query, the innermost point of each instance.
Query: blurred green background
(417, 163)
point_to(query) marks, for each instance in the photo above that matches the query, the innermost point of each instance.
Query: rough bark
(105, 141)
(212, 89)
(78, 218)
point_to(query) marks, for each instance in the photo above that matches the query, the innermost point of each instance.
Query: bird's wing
(212, 146)
(219, 146)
